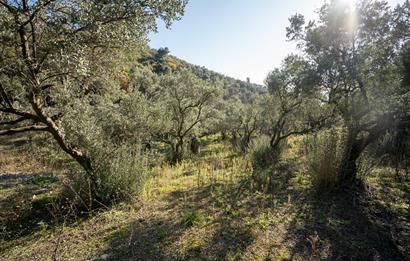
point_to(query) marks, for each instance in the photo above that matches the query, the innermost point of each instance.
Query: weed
(45, 180)
(192, 217)
(42, 201)
(265, 220)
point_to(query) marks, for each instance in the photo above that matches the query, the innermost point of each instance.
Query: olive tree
(186, 103)
(293, 107)
(243, 120)
(55, 51)
(356, 55)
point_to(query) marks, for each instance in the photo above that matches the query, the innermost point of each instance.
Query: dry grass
(32, 154)
(229, 222)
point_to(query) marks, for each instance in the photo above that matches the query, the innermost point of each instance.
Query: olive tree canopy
(54, 50)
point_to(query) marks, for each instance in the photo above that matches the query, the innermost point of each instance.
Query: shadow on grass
(143, 240)
(163, 235)
(344, 225)
(29, 203)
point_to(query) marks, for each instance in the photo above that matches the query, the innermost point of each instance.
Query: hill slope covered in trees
(162, 62)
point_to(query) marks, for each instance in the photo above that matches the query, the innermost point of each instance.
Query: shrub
(194, 145)
(324, 158)
(275, 177)
(393, 150)
(121, 174)
(118, 176)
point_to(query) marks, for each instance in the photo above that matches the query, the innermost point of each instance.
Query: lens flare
(351, 3)
(352, 19)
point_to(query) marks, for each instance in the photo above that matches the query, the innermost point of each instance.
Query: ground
(201, 209)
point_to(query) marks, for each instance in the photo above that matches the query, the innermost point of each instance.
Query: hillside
(161, 62)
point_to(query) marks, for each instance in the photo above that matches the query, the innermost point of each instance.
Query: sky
(239, 38)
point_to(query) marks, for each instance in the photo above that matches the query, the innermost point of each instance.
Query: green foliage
(293, 108)
(360, 84)
(191, 217)
(44, 181)
(270, 170)
(64, 62)
(43, 201)
(119, 174)
(242, 120)
(186, 105)
(265, 220)
(274, 178)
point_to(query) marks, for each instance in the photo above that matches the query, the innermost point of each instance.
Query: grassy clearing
(201, 209)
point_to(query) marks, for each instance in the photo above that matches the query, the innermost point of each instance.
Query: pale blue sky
(239, 38)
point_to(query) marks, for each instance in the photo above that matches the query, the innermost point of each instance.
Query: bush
(275, 177)
(121, 174)
(118, 176)
(324, 158)
(194, 145)
(393, 150)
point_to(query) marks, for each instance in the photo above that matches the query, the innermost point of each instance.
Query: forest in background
(113, 150)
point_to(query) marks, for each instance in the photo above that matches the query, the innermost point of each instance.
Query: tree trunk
(234, 138)
(354, 147)
(245, 141)
(348, 169)
(59, 136)
(177, 151)
(194, 145)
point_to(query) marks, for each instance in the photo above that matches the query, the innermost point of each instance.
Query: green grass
(192, 217)
(210, 215)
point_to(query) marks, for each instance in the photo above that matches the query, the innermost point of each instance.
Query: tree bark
(356, 143)
(177, 151)
(348, 169)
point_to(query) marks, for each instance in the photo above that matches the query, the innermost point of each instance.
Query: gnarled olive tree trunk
(356, 141)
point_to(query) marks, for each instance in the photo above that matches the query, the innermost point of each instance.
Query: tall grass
(271, 170)
(261, 153)
(324, 157)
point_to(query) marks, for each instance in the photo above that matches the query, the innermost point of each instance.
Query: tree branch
(9, 7)
(14, 121)
(190, 127)
(37, 10)
(24, 129)
(19, 113)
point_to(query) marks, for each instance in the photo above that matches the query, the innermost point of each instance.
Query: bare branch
(24, 129)
(14, 121)
(38, 9)
(9, 7)
(19, 113)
